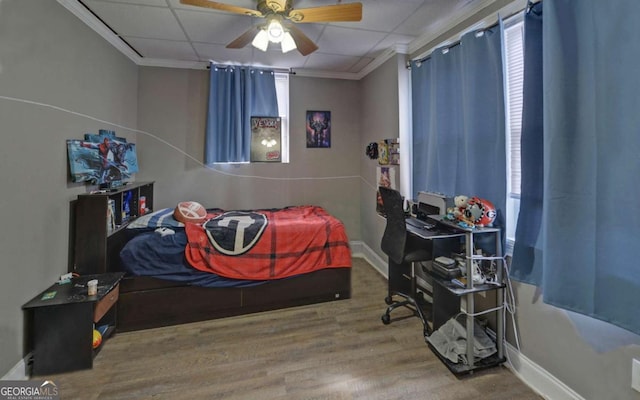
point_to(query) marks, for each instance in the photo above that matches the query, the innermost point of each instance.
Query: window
(282, 92)
(514, 78)
(228, 136)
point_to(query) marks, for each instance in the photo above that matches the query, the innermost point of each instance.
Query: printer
(431, 203)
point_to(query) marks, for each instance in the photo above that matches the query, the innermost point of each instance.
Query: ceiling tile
(157, 3)
(251, 4)
(330, 62)
(154, 48)
(212, 27)
(220, 54)
(277, 59)
(345, 41)
(139, 21)
(430, 14)
(383, 15)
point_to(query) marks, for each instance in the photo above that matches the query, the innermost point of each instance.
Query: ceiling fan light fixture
(275, 12)
(288, 43)
(261, 41)
(275, 31)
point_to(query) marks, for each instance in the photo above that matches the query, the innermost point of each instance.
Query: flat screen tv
(103, 159)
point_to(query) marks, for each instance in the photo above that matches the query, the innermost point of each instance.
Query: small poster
(266, 138)
(318, 128)
(386, 177)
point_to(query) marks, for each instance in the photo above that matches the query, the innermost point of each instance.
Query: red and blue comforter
(268, 244)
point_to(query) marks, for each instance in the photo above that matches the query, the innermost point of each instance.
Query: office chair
(403, 250)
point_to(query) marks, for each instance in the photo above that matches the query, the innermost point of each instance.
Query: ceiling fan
(281, 18)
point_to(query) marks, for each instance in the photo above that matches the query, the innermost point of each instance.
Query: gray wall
(47, 56)
(591, 357)
(172, 113)
(379, 97)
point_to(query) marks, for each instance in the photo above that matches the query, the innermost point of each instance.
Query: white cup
(92, 286)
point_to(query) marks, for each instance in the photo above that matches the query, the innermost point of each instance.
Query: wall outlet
(635, 374)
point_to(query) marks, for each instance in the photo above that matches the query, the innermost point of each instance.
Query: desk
(450, 300)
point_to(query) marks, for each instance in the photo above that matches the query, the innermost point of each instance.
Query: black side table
(61, 320)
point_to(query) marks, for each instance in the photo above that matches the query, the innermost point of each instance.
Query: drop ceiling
(168, 33)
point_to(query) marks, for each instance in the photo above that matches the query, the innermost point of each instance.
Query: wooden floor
(337, 350)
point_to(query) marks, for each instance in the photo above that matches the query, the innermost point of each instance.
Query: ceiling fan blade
(223, 7)
(303, 43)
(334, 13)
(244, 39)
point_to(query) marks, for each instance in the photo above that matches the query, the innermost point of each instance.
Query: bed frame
(147, 302)
(150, 302)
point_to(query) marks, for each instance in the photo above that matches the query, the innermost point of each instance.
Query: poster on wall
(101, 159)
(386, 177)
(318, 129)
(266, 139)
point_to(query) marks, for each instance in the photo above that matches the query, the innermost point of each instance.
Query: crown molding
(443, 25)
(161, 62)
(99, 27)
(483, 14)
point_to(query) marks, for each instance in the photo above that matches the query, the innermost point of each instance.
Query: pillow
(158, 219)
(190, 211)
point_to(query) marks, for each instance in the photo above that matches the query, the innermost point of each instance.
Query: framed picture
(318, 129)
(266, 139)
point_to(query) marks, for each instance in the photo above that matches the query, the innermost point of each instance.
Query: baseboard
(537, 378)
(360, 249)
(19, 371)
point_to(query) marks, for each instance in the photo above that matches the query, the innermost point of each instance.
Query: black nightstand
(61, 320)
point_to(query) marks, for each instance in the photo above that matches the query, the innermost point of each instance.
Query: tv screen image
(102, 158)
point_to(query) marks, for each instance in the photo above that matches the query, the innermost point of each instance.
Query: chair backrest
(394, 238)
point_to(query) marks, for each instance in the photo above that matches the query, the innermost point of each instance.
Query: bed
(236, 262)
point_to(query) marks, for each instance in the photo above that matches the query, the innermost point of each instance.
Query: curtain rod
(282, 70)
(527, 8)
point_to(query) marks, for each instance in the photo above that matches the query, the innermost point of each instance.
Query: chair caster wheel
(388, 300)
(386, 319)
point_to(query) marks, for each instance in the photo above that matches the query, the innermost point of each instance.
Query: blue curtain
(527, 252)
(591, 162)
(459, 120)
(235, 95)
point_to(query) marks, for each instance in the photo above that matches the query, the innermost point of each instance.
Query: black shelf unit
(450, 300)
(451, 296)
(61, 320)
(93, 245)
